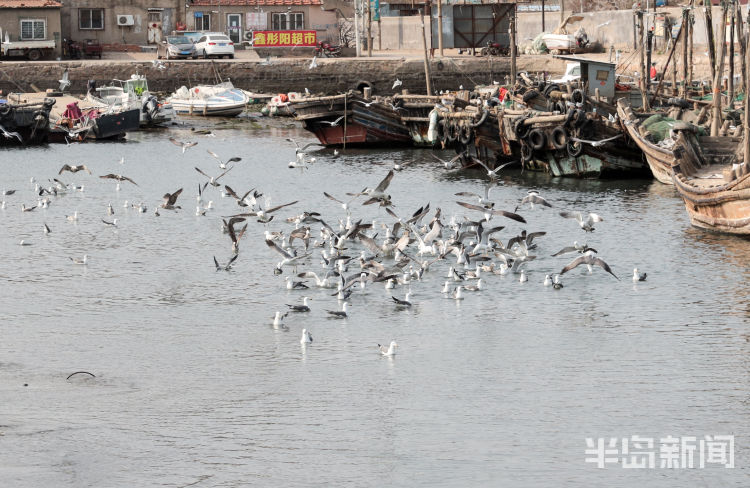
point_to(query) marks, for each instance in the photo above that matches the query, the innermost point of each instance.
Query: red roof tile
(30, 4)
(252, 3)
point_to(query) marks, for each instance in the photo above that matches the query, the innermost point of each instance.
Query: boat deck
(61, 102)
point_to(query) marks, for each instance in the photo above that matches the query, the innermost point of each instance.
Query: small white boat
(222, 99)
(130, 94)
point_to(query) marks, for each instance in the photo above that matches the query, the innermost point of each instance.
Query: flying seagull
(118, 178)
(589, 260)
(334, 123)
(223, 164)
(170, 199)
(225, 267)
(532, 199)
(183, 145)
(587, 223)
(74, 169)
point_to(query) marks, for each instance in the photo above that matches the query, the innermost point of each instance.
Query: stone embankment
(279, 75)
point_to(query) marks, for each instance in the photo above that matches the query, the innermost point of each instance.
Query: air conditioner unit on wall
(125, 20)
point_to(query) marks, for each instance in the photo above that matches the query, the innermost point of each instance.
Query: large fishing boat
(712, 182)
(25, 123)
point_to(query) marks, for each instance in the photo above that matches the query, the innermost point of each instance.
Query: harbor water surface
(194, 386)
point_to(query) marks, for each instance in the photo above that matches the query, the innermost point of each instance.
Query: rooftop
(30, 4)
(252, 3)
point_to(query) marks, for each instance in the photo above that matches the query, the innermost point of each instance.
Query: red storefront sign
(285, 38)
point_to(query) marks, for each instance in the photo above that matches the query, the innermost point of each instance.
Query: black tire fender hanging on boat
(551, 87)
(529, 95)
(577, 96)
(5, 110)
(559, 137)
(466, 134)
(520, 128)
(526, 152)
(41, 119)
(537, 139)
(570, 117)
(575, 149)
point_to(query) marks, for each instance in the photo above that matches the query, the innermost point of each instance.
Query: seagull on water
(300, 308)
(82, 262)
(388, 351)
(295, 285)
(278, 319)
(547, 280)
(523, 278)
(340, 314)
(306, 337)
(638, 276)
(405, 303)
(111, 224)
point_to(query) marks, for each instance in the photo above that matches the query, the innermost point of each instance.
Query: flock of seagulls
(343, 255)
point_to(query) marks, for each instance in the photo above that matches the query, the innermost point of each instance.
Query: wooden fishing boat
(579, 144)
(714, 187)
(660, 159)
(25, 123)
(351, 119)
(71, 118)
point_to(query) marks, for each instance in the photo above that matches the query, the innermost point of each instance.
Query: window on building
(91, 18)
(154, 17)
(33, 29)
(203, 23)
(288, 21)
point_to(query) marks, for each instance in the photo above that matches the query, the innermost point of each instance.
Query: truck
(33, 50)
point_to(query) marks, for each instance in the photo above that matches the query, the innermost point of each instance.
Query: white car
(572, 73)
(217, 45)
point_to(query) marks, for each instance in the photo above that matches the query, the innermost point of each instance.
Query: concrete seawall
(281, 75)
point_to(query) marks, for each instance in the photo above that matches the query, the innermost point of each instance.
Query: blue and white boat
(222, 99)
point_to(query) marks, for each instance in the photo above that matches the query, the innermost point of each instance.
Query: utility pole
(369, 29)
(716, 123)
(356, 28)
(730, 83)
(685, 32)
(440, 26)
(513, 46)
(426, 59)
(562, 11)
(644, 72)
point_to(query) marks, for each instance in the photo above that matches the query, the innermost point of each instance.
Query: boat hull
(716, 191)
(659, 159)
(31, 123)
(115, 126)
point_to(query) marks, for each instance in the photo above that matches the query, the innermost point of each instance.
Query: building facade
(240, 18)
(31, 20)
(120, 22)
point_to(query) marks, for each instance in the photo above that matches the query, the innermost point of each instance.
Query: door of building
(234, 27)
(154, 27)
